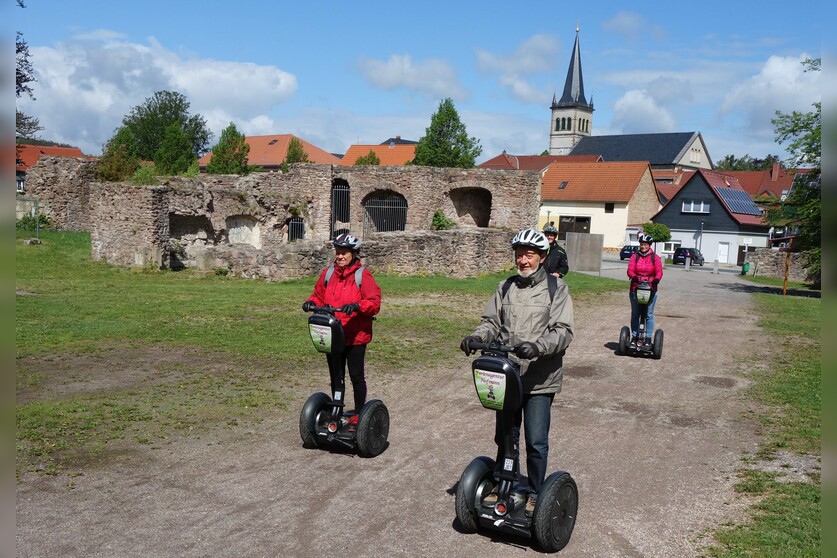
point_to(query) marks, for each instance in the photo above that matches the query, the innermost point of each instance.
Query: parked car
(681, 254)
(627, 251)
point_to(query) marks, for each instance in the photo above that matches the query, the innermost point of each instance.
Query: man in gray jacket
(537, 321)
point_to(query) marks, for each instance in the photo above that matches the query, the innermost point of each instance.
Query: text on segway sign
(321, 337)
(491, 388)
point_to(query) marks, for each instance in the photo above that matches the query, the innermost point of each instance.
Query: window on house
(671, 246)
(557, 124)
(609, 208)
(563, 185)
(694, 206)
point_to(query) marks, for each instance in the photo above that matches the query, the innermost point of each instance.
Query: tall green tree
(174, 156)
(230, 155)
(296, 154)
(119, 159)
(369, 159)
(803, 207)
(446, 142)
(25, 126)
(150, 121)
(746, 163)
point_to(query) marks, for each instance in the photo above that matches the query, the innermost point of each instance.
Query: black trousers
(354, 356)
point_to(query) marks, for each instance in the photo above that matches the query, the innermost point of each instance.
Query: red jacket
(342, 289)
(645, 267)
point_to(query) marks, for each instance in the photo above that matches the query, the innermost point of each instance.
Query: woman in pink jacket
(644, 265)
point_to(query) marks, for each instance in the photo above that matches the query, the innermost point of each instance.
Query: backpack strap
(330, 272)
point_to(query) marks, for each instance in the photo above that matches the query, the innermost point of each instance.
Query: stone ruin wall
(766, 262)
(239, 225)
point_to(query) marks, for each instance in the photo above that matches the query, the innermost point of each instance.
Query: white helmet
(645, 237)
(531, 238)
(346, 240)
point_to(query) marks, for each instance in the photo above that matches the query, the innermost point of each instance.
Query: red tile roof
(395, 154)
(270, 151)
(504, 161)
(28, 155)
(773, 182)
(725, 180)
(595, 182)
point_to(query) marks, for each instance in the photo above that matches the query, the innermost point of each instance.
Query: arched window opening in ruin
(243, 229)
(472, 205)
(340, 207)
(296, 228)
(384, 211)
(185, 232)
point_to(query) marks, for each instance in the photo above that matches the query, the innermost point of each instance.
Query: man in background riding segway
(349, 285)
(556, 257)
(537, 320)
(646, 265)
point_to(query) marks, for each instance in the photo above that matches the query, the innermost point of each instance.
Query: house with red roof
(389, 154)
(27, 155)
(505, 161)
(269, 152)
(715, 214)
(609, 198)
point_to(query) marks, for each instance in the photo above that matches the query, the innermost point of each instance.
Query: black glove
(654, 283)
(527, 350)
(634, 279)
(308, 305)
(350, 309)
(465, 346)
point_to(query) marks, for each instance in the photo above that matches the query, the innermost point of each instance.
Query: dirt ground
(653, 445)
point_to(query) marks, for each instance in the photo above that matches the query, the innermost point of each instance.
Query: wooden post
(787, 267)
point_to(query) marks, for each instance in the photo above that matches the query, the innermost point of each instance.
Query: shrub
(440, 222)
(146, 175)
(30, 223)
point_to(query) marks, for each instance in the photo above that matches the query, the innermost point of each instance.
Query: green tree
(803, 207)
(296, 154)
(174, 156)
(149, 123)
(658, 231)
(230, 155)
(746, 163)
(119, 159)
(25, 126)
(369, 159)
(446, 142)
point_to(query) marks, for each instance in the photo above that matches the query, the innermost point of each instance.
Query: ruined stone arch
(472, 206)
(384, 211)
(340, 207)
(244, 229)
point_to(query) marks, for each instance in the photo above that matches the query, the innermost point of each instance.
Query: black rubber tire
(372, 428)
(467, 493)
(658, 344)
(555, 512)
(624, 339)
(308, 418)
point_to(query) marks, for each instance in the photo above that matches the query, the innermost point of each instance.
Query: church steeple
(572, 116)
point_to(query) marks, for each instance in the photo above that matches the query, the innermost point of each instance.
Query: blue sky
(339, 73)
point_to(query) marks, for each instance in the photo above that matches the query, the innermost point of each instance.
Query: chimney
(397, 138)
(774, 174)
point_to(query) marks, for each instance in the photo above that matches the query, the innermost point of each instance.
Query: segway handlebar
(493, 346)
(332, 309)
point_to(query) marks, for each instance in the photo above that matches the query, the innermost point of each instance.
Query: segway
(498, 385)
(627, 346)
(323, 422)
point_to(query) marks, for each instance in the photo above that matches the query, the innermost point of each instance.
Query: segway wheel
(310, 417)
(555, 512)
(658, 344)
(372, 429)
(476, 481)
(624, 339)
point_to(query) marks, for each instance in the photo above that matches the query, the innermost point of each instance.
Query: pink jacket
(649, 267)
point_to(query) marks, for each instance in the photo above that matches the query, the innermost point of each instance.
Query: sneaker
(648, 341)
(530, 504)
(491, 498)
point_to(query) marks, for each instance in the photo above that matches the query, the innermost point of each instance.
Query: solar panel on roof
(738, 201)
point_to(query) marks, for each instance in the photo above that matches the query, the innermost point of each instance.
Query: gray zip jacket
(525, 314)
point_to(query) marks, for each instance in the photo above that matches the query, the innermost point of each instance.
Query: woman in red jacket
(360, 297)
(644, 265)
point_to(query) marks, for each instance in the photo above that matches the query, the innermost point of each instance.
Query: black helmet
(550, 229)
(346, 240)
(645, 237)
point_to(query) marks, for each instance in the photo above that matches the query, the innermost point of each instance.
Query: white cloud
(86, 85)
(637, 112)
(525, 91)
(782, 84)
(536, 54)
(435, 78)
(632, 27)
